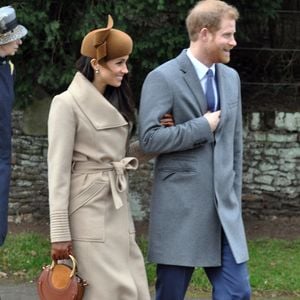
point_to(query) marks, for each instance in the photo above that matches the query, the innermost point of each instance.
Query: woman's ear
(95, 65)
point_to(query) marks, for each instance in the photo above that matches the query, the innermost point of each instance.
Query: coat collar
(229, 91)
(224, 81)
(226, 87)
(94, 105)
(191, 79)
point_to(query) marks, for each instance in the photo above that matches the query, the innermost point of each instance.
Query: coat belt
(116, 172)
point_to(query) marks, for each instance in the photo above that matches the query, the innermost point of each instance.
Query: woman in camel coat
(89, 127)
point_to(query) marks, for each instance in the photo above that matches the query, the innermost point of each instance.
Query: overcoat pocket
(87, 213)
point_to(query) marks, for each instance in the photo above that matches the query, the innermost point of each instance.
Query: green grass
(274, 264)
(23, 255)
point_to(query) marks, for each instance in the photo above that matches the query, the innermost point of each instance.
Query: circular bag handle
(74, 265)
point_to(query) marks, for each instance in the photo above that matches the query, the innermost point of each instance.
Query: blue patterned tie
(210, 95)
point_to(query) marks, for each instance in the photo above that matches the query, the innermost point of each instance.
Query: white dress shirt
(201, 71)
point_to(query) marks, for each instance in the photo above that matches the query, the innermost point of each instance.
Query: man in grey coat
(195, 212)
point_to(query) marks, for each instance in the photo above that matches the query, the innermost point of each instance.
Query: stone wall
(271, 169)
(272, 164)
(29, 191)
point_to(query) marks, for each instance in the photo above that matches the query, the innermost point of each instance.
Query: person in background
(89, 128)
(196, 210)
(11, 34)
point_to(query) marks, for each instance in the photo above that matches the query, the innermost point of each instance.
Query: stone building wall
(29, 189)
(271, 183)
(271, 169)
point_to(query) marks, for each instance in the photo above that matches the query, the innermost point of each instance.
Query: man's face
(11, 48)
(221, 42)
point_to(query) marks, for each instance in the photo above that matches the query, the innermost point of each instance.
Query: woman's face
(114, 71)
(10, 48)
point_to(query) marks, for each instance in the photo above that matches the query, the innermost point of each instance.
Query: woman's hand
(167, 120)
(61, 250)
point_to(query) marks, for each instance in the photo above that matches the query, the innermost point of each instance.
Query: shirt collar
(200, 68)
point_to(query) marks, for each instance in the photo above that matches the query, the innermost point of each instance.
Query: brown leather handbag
(59, 281)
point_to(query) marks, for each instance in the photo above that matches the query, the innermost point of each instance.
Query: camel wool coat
(87, 167)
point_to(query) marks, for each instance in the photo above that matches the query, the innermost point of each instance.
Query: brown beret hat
(106, 43)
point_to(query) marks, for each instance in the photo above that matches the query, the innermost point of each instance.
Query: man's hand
(213, 119)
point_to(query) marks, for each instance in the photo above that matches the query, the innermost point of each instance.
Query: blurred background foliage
(45, 64)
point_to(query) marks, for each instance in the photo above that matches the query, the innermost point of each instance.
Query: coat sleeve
(61, 136)
(157, 99)
(136, 151)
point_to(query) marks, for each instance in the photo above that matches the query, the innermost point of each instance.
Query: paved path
(22, 291)
(27, 291)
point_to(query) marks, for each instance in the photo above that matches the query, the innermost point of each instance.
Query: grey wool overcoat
(88, 192)
(198, 174)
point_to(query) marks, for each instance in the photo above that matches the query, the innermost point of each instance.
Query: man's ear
(203, 34)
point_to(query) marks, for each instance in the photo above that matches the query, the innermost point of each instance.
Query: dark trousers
(229, 281)
(5, 171)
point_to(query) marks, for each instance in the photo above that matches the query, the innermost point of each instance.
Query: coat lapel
(97, 109)
(226, 90)
(192, 80)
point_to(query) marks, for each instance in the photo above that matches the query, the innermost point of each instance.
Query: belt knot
(118, 181)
